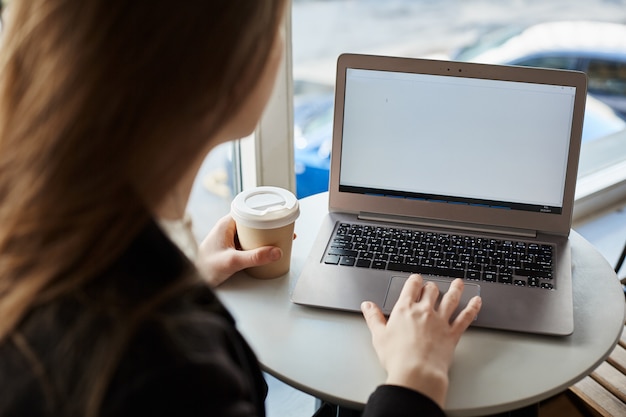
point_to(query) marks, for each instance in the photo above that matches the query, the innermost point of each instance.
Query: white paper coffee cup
(265, 216)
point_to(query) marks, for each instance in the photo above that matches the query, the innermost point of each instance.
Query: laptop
(451, 169)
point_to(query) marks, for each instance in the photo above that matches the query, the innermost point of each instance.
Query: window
(472, 29)
(323, 29)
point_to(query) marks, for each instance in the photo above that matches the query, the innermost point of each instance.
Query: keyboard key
(490, 277)
(379, 265)
(535, 274)
(505, 279)
(332, 259)
(473, 275)
(347, 261)
(343, 252)
(363, 263)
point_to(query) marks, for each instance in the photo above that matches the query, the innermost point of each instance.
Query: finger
(374, 317)
(451, 298)
(430, 293)
(266, 254)
(225, 227)
(467, 315)
(226, 222)
(411, 290)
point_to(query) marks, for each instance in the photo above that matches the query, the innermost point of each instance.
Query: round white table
(329, 355)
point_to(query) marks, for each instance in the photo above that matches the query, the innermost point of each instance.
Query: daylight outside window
(585, 35)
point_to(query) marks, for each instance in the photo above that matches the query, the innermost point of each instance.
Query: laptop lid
(404, 143)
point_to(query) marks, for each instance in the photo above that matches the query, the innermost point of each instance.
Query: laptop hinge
(466, 227)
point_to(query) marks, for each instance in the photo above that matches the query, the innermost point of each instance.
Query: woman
(107, 109)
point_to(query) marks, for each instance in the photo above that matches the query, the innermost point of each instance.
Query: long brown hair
(103, 104)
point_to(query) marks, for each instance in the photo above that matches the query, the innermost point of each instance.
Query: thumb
(373, 317)
(259, 256)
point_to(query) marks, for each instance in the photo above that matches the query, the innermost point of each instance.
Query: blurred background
(586, 35)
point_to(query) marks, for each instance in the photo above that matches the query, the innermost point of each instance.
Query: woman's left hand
(219, 258)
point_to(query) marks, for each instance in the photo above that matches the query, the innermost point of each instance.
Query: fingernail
(276, 254)
(366, 305)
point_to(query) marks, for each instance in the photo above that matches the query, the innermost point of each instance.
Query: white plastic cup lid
(265, 208)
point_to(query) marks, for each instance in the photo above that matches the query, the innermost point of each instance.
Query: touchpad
(397, 282)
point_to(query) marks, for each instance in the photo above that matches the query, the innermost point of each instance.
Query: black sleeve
(394, 401)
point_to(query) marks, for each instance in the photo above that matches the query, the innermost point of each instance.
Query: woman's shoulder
(144, 333)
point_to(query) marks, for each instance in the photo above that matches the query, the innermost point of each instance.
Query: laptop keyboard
(517, 263)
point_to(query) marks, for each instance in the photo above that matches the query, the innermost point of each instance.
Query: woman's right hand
(219, 257)
(416, 344)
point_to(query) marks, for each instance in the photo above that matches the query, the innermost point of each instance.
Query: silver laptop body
(456, 152)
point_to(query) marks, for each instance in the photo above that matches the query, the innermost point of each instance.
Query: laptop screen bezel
(553, 223)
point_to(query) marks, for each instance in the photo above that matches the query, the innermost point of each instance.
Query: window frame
(601, 184)
(267, 158)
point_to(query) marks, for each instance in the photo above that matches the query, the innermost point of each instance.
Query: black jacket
(183, 355)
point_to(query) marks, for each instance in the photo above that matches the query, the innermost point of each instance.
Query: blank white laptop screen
(442, 138)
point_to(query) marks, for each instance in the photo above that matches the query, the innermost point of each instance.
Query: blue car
(313, 125)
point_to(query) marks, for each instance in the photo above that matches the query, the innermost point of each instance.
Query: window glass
(213, 188)
(503, 31)
(607, 77)
(560, 62)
